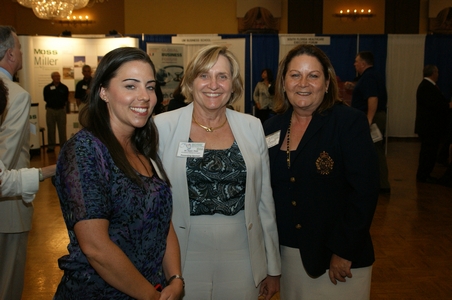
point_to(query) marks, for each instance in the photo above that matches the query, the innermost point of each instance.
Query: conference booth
(399, 58)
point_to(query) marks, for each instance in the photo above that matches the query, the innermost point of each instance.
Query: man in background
(15, 214)
(371, 97)
(56, 96)
(432, 110)
(82, 87)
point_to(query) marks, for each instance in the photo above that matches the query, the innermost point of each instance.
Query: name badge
(52, 87)
(85, 87)
(273, 139)
(187, 149)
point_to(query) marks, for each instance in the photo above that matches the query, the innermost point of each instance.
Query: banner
(169, 66)
(44, 55)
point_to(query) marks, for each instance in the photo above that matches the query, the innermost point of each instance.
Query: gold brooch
(324, 163)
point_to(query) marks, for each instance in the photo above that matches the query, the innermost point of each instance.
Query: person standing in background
(82, 87)
(431, 125)
(371, 97)
(56, 96)
(263, 95)
(178, 99)
(15, 214)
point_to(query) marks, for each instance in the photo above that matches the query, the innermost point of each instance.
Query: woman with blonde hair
(217, 161)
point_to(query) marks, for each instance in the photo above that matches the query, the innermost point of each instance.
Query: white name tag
(85, 87)
(187, 149)
(273, 139)
(52, 87)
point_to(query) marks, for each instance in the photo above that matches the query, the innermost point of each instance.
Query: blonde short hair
(202, 62)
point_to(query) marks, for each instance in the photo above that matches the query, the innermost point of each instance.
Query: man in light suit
(15, 214)
(432, 110)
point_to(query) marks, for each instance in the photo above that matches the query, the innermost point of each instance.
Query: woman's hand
(173, 291)
(339, 269)
(269, 286)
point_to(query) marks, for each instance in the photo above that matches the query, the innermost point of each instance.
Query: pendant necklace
(288, 143)
(209, 129)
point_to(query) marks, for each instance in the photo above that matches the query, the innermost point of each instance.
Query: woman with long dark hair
(114, 193)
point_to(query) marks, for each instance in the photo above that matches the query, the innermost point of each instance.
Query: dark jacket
(56, 96)
(326, 201)
(432, 111)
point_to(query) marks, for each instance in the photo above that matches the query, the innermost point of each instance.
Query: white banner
(312, 40)
(44, 55)
(195, 39)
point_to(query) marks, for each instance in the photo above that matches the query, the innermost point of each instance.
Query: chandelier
(55, 9)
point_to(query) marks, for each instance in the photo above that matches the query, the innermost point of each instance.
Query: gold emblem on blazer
(324, 163)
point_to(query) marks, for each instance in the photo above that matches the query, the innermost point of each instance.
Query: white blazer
(15, 215)
(23, 182)
(174, 127)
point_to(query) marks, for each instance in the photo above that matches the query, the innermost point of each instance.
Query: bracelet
(41, 178)
(177, 276)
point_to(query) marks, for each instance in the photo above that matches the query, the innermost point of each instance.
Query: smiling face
(130, 96)
(212, 89)
(305, 83)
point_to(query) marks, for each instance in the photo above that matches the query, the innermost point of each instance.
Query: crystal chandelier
(80, 4)
(53, 9)
(26, 3)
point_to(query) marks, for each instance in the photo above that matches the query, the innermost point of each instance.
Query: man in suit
(431, 122)
(15, 214)
(371, 97)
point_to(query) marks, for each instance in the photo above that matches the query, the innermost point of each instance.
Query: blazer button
(298, 226)
(250, 226)
(292, 179)
(294, 203)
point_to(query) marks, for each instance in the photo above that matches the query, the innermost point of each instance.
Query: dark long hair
(269, 75)
(282, 104)
(95, 116)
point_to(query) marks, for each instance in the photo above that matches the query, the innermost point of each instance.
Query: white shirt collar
(6, 73)
(426, 78)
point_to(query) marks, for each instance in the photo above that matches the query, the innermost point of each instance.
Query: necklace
(288, 143)
(209, 129)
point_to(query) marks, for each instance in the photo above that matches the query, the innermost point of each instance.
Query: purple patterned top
(91, 186)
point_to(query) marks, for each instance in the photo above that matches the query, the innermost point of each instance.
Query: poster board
(43, 55)
(169, 66)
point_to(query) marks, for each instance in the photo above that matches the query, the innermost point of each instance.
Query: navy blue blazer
(326, 201)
